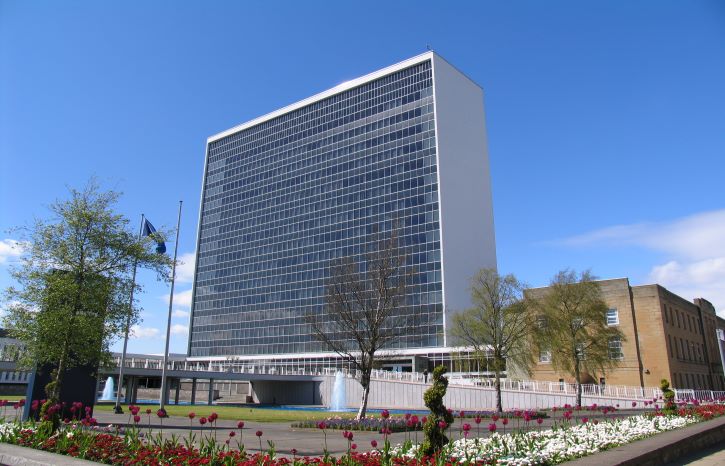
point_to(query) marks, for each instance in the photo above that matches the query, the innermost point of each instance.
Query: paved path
(714, 456)
(309, 442)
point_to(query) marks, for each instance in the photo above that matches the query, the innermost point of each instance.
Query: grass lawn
(237, 412)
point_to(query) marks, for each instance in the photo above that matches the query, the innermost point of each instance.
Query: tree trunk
(499, 405)
(59, 378)
(365, 382)
(577, 377)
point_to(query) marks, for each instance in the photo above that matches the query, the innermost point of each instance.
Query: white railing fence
(559, 388)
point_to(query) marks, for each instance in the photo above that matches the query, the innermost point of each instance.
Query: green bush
(669, 397)
(435, 437)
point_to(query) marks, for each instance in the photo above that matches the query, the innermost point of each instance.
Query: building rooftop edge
(598, 280)
(347, 85)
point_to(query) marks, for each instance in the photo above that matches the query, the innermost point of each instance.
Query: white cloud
(185, 268)
(181, 299)
(180, 313)
(694, 247)
(696, 237)
(144, 332)
(179, 329)
(11, 249)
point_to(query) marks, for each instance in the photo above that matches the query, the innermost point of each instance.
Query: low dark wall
(14, 389)
(286, 393)
(79, 384)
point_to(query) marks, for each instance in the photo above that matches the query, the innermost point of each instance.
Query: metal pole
(117, 409)
(162, 398)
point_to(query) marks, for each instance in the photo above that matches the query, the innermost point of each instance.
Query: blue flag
(150, 231)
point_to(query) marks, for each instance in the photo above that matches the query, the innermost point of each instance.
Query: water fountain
(108, 391)
(338, 402)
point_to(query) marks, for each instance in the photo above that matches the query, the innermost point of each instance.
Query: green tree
(73, 283)
(499, 325)
(440, 418)
(572, 326)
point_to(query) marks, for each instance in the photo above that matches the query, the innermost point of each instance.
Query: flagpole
(162, 398)
(117, 409)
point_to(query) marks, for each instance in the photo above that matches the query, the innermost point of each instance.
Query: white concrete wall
(466, 208)
(409, 395)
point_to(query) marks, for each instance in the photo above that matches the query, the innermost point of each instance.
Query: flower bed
(570, 437)
(410, 422)
(553, 446)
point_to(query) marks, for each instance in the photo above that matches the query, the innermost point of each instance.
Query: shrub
(669, 397)
(440, 418)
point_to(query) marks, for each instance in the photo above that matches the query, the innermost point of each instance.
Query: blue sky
(606, 120)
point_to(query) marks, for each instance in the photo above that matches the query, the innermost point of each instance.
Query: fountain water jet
(108, 391)
(338, 402)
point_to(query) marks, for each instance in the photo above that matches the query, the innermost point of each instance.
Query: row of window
(691, 381)
(302, 157)
(349, 104)
(682, 319)
(612, 318)
(686, 350)
(615, 352)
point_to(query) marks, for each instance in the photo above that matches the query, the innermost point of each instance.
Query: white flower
(558, 444)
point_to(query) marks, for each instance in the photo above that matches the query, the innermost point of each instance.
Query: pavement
(713, 456)
(306, 442)
(311, 442)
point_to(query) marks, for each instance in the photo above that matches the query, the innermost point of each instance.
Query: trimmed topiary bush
(439, 419)
(668, 395)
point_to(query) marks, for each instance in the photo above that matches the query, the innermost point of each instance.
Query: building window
(615, 348)
(678, 348)
(667, 319)
(545, 357)
(669, 342)
(580, 352)
(612, 317)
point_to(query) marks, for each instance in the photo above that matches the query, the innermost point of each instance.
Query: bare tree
(499, 325)
(573, 326)
(364, 307)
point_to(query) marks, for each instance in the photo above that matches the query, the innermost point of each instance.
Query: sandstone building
(666, 337)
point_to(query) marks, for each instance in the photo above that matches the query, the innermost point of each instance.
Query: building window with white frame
(615, 348)
(612, 317)
(545, 357)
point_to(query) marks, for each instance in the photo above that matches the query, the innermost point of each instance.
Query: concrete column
(134, 390)
(98, 387)
(127, 395)
(165, 392)
(211, 392)
(193, 391)
(176, 394)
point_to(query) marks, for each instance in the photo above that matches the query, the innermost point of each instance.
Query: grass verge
(239, 412)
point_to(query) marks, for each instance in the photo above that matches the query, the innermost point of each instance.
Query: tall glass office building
(286, 194)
